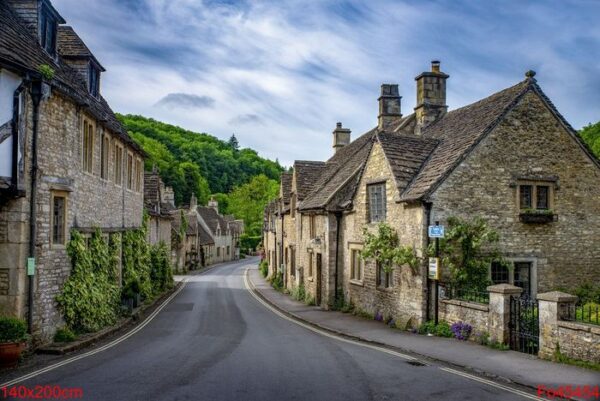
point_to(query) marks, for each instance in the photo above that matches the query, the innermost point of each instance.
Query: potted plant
(13, 334)
(537, 216)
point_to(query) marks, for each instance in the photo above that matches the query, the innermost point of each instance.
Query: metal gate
(524, 325)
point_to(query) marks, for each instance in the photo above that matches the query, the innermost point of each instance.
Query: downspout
(428, 207)
(282, 264)
(36, 97)
(338, 219)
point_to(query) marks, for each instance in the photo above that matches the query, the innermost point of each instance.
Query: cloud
(186, 101)
(243, 119)
(302, 65)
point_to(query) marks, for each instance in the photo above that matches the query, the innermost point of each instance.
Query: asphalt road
(214, 341)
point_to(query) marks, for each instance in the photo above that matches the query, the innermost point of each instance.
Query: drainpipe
(36, 97)
(282, 264)
(338, 219)
(428, 207)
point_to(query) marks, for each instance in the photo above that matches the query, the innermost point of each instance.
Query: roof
(153, 186)
(212, 218)
(204, 238)
(307, 174)
(70, 45)
(21, 52)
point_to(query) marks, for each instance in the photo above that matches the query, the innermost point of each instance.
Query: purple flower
(461, 330)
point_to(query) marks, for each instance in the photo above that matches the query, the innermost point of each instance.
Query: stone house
(66, 163)
(510, 158)
(225, 249)
(159, 202)
(269, 242)
(236, 229)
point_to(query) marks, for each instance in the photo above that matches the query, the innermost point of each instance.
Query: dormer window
(48, 26)
(94, 80)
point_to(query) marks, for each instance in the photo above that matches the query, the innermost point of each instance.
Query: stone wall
(531, 144)
(475, 314)
(309, 248)
(406, 300)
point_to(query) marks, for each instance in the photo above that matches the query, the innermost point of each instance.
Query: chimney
(212, 203)
(389, 107)
(169, 196)
(431, 96)
(341, 137)
(193, 202)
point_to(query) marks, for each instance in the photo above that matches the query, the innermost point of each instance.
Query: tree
(233, 143)
(591, 135)
(248, 201)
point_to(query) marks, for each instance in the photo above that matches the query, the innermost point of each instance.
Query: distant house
(159, 202)
(66, 163)
(510, 158)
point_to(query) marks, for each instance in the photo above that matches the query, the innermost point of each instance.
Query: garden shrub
(277, 281)
(263, 267)
(137, 260)
(161, 273)
(64, 335)
(461, 330)
(12, 330)
(441, 330)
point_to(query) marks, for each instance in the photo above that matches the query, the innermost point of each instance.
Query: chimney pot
(389, 106)
(435, 66)
(431, 96)
(341, 137)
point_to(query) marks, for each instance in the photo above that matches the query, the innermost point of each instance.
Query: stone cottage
(224, 249)
(510, 158)
(66, 163)
(159, 202)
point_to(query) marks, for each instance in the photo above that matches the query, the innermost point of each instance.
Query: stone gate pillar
(499, 310)
(552, 307)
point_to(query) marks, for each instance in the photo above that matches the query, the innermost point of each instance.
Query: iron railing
(584, 313)
(467, 294)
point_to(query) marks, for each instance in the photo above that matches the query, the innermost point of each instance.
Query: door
(522, 277)
(318, 273)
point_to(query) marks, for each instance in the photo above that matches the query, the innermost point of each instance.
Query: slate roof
(204, 238)
(70, 45)
(20, 51)
(286, 187)
(152, 196)
(307, 174)
(212, 219)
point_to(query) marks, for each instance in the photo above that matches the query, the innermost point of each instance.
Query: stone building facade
(159, 202)
(510, 158)
(71, 165)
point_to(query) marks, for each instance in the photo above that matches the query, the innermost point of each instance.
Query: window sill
(537, 218)
(358, 283)
(385, 289)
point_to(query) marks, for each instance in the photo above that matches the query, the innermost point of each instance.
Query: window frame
(534, 196)
(105, 156)
(311, 266)
(371, 187)
(312, 226)
(130, 171)
(357, 273)
(48, 31)
(389, 277)
(93, 79)
(118, 164)
(54, 195)
(87, 145)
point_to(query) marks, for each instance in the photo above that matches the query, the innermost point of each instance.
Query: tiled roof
(20, 51)
(307, 174)
(459, 131)
(286, 187)
(212, 219)
(204, 238)
(70, 45)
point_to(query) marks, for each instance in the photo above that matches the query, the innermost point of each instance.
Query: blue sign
(436, 231)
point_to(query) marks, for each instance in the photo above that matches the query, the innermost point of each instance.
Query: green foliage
(498, 345)
(161, 271)
(90, 297)
(545, 212)
(12, 330)
(64, 335)
(309, 300)
(248, 201)
(561, 358)
(591, 135)
(383, 247)
(363, 313)
(277, 281)
(137, 261)
(441, 330)
(46, 71)
(588, 293)
(467, 250)
(299, 293)
(249, 243)
(263, 267)
(197, 163)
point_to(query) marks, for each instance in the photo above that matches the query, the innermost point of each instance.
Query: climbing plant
(467, 250)
(136, 260)
(90, 297)
(383, 247)
(161, 273)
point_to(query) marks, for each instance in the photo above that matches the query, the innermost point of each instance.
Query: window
(48, 28)
(312, 226)
(356, 265)
(376, 202)
(139, 175)
(522, 275)
(535, 196)
(500, 273)
(130, 173)
(104, 159)
(293, 261)
(293, 206)
(310, 264)
(218, 251)
(93, 80)
(59, 219)
(384, 279)
(228, 250)
(88, 146)
(118, 164)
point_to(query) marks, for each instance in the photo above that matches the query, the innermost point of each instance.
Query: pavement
(216, 340)
(503, 366)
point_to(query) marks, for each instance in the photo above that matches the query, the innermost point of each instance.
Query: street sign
(30, 266)
(436, 231)
(434, 268)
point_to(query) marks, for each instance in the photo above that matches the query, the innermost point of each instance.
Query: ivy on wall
(383, 247)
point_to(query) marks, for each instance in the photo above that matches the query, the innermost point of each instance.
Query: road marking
(98, 350)
(380, 348)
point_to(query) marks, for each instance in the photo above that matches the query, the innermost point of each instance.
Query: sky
(280, 74)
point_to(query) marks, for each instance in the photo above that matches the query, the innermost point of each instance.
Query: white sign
(434, 269)
(436, 231)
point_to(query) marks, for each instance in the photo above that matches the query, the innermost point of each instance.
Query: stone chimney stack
(193, 202)
(389, 106)
(341, 137)
(431, 96)
(212, 203)
(169, 196)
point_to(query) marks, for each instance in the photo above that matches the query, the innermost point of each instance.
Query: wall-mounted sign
(436, 231)
(30, 266)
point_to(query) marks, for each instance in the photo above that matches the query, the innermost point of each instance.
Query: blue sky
(280, 74)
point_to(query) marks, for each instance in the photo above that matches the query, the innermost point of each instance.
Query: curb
(417, 355)
(137, 316)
